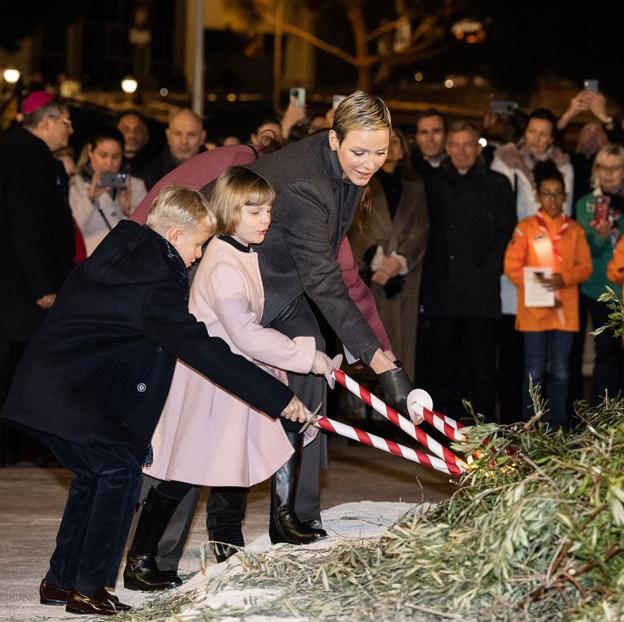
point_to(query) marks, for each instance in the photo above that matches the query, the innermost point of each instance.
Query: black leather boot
(141, 571)
(284, 526)
(225, 511)
(396, 385)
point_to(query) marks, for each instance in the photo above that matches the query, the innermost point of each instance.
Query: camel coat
(205, 435)
(406, 234)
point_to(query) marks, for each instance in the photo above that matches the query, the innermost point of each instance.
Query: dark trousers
(298, 320)
(609, 359)
(475, 339)
(549, 350)
(510, 369)
(15, 444)
(576, 383)
(97, 516)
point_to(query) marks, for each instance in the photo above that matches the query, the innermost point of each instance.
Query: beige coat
(407, 235)
(205, 435)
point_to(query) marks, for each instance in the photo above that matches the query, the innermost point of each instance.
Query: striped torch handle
(397, 419)
(342, 429)
(449, 427)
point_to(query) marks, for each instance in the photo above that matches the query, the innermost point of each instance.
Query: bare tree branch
(310, 38)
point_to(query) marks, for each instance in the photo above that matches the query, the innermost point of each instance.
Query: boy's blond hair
(235, 187)
(179, 206)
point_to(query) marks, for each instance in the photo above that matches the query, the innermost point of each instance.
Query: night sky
(526, 41)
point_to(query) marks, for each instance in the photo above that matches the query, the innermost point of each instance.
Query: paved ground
(33, 500)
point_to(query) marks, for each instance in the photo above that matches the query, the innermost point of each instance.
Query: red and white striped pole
(399, 420)
(342, 429)
(448, 426)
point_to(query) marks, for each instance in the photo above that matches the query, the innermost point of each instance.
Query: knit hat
(36, 100)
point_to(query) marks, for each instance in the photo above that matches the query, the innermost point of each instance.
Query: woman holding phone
(600, 215)
(100, 195)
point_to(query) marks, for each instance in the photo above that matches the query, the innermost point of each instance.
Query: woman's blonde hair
(179, 206)
(360, 111)
(607, 150)
(235, 187)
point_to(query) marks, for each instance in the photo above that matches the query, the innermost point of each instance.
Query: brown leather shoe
(50, 594)
(100, 604)
(102, 594)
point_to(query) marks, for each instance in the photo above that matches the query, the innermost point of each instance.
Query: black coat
(36, 232)
(312, 213)
(156, 168)
(99, 369)
(471, 217)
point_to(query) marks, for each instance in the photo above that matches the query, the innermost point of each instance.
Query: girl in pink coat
(205, 435)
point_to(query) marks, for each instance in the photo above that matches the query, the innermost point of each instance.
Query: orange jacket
(615, 269)
(573, 263)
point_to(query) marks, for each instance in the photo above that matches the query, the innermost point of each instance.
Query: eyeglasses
(552, 195)
(610, 169)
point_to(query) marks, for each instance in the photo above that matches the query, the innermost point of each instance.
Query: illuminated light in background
(231, 97)
(449, 84)
(11, 75)
(483, 142)
(129, 85)
(418, 76)
(164, 92)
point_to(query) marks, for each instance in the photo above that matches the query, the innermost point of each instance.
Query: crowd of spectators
(441, 218)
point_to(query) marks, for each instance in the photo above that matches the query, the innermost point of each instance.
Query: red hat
(36, 100)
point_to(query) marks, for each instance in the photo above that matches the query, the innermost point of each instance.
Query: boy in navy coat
(95, 377)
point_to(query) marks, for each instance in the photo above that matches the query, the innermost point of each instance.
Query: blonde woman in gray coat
(389, 245)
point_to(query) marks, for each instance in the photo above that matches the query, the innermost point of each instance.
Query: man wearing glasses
(36, 233)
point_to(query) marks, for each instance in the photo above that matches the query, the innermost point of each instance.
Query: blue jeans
(549, 351)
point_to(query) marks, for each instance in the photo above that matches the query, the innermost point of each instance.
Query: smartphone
(601, 210)
(299, 94)
(336, 99)
(503, 107)
(113, 180)
(591, 85)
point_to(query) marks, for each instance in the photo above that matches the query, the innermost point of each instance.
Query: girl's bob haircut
(179, 206)
(235, 187)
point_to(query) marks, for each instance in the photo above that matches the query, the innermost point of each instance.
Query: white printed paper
(535, 293)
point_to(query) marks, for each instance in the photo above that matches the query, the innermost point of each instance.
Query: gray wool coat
(313, 211)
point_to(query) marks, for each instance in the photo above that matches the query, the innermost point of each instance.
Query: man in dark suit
(185, 138)
(94, 379)
(472, 218)
(36, 237)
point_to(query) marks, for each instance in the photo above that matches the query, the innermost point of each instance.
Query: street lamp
(129, 85)
(11, 75)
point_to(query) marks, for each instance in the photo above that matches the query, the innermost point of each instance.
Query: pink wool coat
(205, 435)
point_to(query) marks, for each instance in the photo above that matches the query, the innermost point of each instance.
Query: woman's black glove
(396, 385)
(394, 286)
